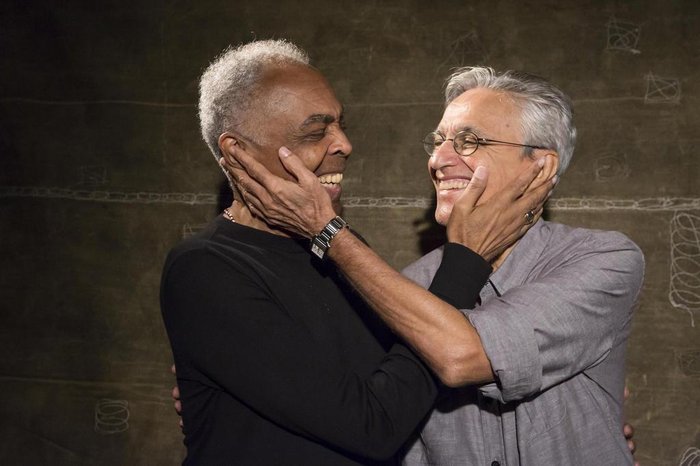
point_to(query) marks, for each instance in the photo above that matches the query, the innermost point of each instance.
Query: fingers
(254, 169)
(628, 430)
(172, 369)
(524, 179)
(175, 393)
(534, 199)
(295, 166)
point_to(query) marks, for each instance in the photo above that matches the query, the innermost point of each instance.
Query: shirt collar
(521, 260)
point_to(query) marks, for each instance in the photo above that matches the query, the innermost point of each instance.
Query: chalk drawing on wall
(662, 90)
(108, 196)
(464, 50)
(623, 36)
(667, 204)
(691, 457)
(685, 263)
(659, 204)
(92, 175)
(387, 202)
(689, 363)
(111, 416)
(611, 167)
(189, 229)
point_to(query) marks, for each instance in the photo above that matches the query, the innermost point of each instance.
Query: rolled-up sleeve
(563, 321)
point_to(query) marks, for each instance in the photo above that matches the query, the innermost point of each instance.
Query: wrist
(321, 242)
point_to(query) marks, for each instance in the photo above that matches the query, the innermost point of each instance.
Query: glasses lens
(466, 143)
(431, 142)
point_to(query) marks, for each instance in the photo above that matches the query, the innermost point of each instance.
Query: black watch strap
(321, 242)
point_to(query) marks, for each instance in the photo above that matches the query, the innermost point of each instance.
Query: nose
(443, 156)
(341, 145)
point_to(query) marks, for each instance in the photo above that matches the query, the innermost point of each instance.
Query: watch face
(317, 250)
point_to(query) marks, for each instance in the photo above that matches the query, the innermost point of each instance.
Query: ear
(228, 145)
(551, 164)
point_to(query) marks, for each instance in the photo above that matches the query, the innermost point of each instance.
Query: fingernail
(480, 172)
(284, 152)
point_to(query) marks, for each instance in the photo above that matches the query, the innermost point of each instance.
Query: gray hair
(228, 85)
(547, 113)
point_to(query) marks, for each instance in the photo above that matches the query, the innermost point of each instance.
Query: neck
(242, 214)
(498, 261)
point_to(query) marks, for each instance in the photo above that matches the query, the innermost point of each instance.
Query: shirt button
(495, 463)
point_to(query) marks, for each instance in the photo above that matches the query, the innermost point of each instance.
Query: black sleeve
(245, 341)
(460, 277)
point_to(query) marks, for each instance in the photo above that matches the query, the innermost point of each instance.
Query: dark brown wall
(102, 170)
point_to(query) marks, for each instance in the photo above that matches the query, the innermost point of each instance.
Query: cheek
(311, 157)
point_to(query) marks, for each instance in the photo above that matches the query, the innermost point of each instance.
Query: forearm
(437, 331)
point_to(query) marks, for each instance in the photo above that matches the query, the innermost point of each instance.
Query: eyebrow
(324, 118)
(460, 129)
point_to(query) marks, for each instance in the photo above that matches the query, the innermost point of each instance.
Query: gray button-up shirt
(554, 322)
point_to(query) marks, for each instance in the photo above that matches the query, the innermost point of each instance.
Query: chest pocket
(541, 413)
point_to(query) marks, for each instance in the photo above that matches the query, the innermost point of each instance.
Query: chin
(337, 207)
(442, 214)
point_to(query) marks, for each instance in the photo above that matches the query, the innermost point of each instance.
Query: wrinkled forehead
(484, 111)
(297, 89)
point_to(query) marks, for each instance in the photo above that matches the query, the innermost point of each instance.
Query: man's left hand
(302, 206)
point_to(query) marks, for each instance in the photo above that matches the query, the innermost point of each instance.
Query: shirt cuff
(512, 350)
(460, 277)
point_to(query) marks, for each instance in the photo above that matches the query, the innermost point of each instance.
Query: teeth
(334, 178)
(453, 184)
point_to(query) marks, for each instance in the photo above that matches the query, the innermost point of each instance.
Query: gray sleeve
(561, 323)
(423, 270)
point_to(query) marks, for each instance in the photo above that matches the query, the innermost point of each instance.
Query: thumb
(294, 165)
(475, 188)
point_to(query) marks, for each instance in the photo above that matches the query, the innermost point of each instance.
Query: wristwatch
(321, 242)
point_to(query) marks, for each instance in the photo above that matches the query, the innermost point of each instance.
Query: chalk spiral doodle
(611, 167)
(691, 457)
(623, 36)
(685, 263)
(111, 416)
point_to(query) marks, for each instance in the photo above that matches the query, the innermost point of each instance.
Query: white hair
(546, 112)
(229, 84)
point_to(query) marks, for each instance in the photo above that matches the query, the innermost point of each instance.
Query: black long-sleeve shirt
(278, 361)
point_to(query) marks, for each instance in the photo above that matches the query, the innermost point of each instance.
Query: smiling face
(489, 114)
(296, 107)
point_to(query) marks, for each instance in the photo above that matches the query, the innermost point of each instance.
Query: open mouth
(331, 183)
(457, 183)
(331, 178)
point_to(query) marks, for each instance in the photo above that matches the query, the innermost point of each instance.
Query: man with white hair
(278, 360)
(540, 356)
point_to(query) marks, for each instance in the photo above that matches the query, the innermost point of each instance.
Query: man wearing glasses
(278, 361)
(539, 360)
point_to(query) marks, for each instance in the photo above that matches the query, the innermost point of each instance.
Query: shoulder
(611, 247)
(592, 238)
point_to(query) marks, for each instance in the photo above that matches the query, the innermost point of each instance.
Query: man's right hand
(176, 396)
(492, 226)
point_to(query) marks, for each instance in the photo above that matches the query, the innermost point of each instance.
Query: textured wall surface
(102, 170)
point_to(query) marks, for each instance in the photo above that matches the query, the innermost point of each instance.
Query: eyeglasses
(465, 142)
